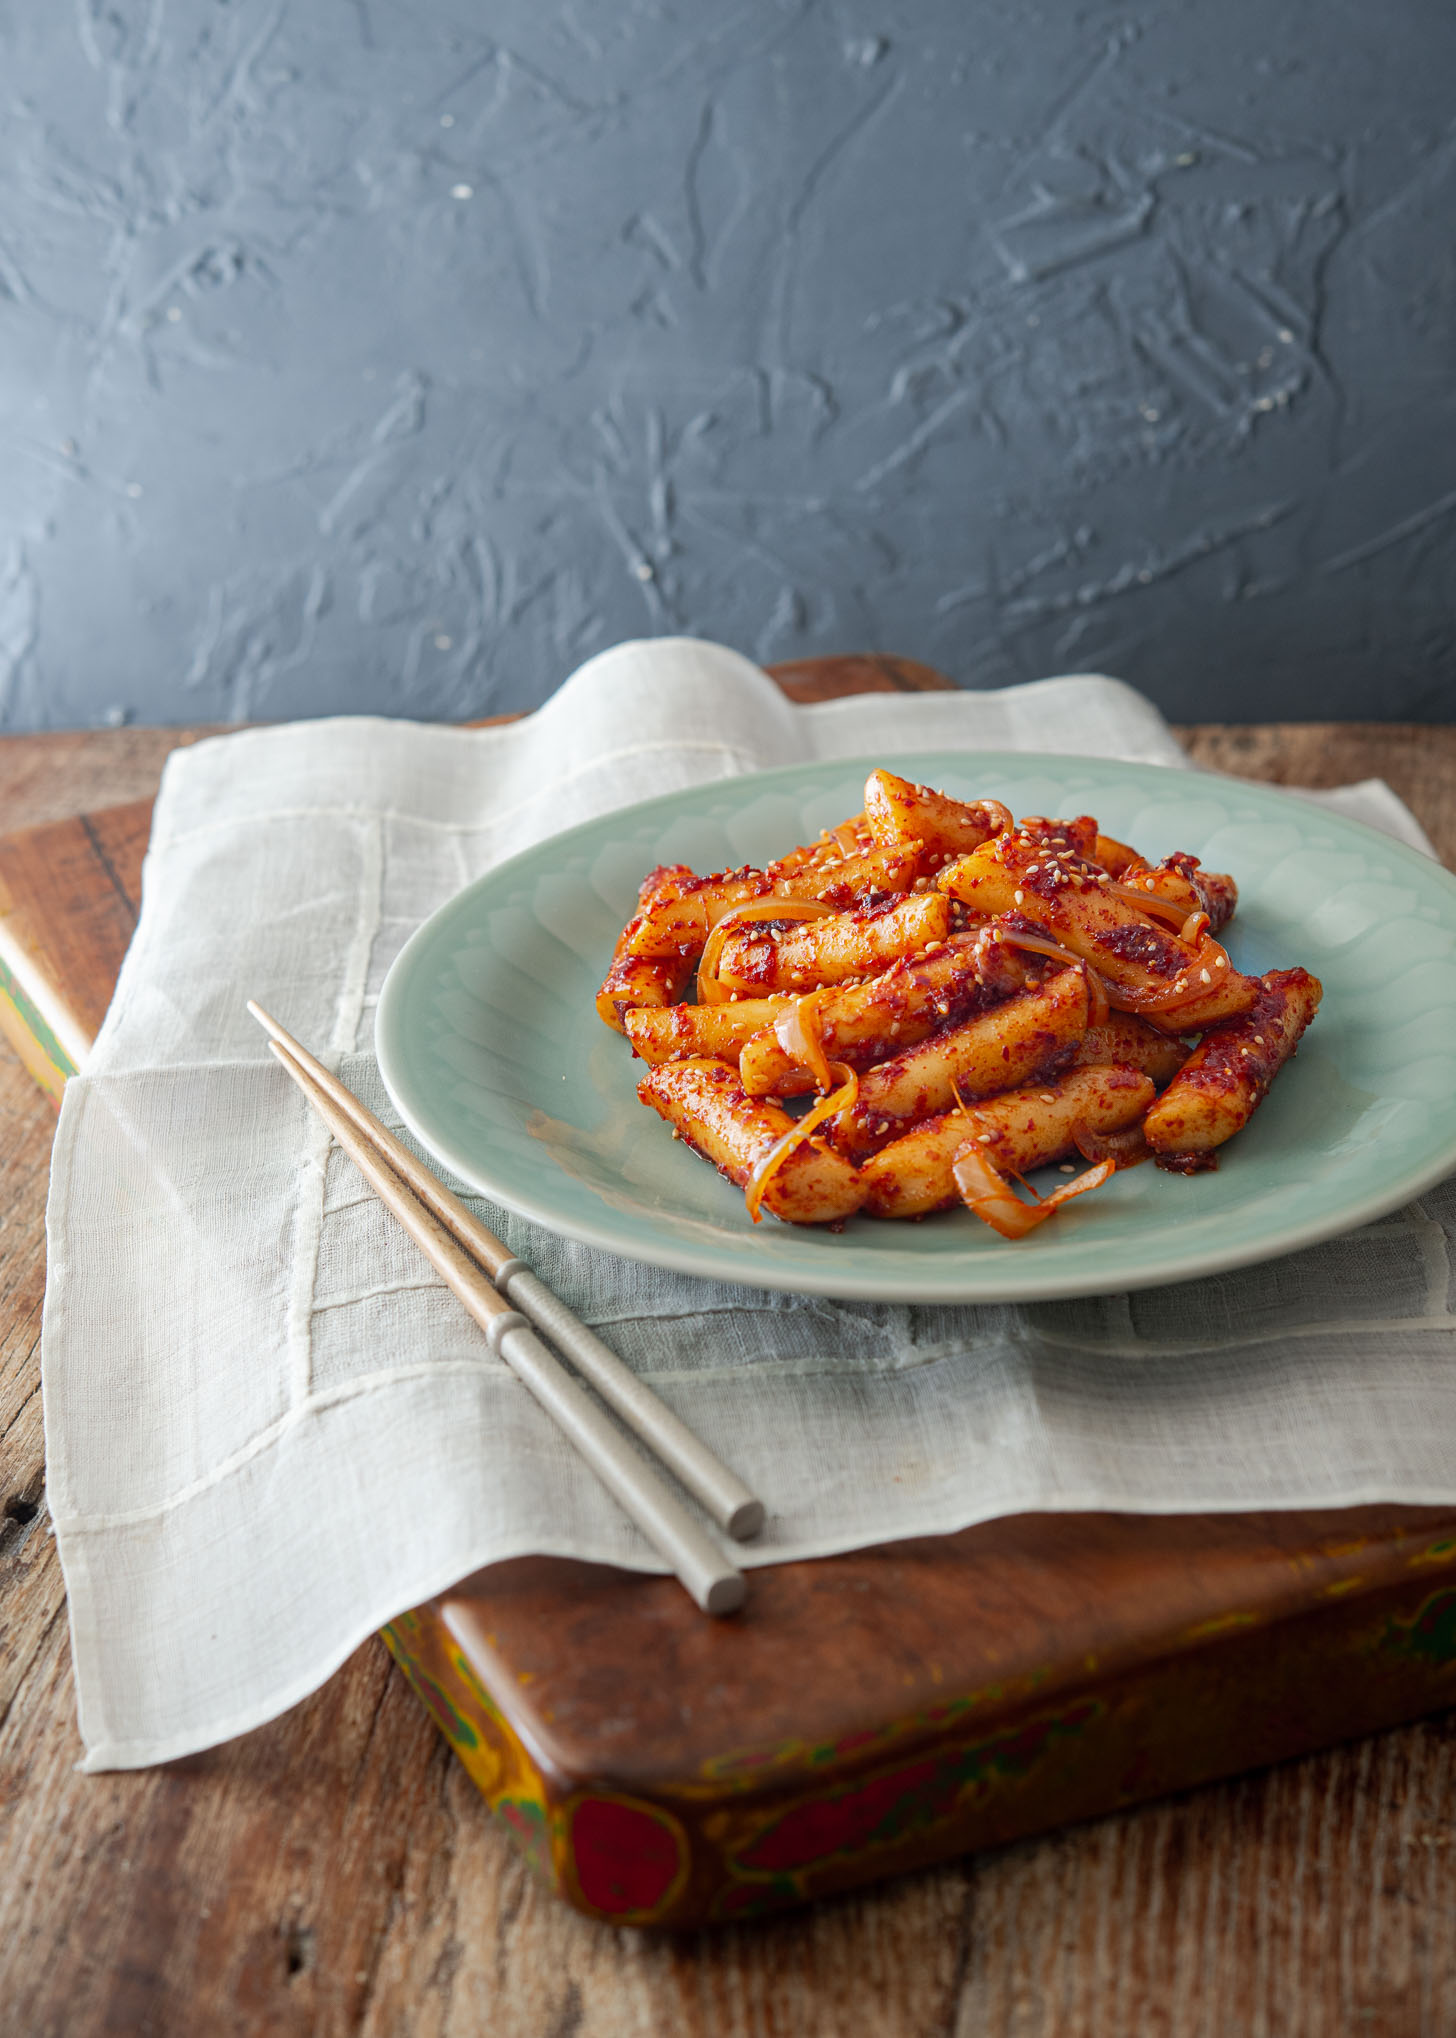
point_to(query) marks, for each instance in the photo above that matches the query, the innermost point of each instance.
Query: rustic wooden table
(336, 1872)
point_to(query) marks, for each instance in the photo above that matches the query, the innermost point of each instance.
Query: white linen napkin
(270, 1429)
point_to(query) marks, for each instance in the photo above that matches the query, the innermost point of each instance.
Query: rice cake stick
(994, 1051)
(830, 950)
(709, 1109)
(1039, 890)
(868, 1022)
(1022, 1130)
(1227, 1076)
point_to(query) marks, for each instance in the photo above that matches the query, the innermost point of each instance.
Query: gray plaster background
(397, 354)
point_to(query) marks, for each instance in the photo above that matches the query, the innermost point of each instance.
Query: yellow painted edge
(38, 1006)
(1220, 1624)
(48, 1070)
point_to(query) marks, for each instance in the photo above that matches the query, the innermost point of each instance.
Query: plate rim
(722, 1261)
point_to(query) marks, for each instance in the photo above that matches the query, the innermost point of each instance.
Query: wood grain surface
(81, 931)
(76, 771)
(336, 1871)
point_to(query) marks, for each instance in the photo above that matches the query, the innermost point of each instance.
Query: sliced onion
(1191, 927)
(985, 1190)
(1126, 997)
(797, 1031)
(1125, 1149)
(1149, 902)
(766, 1168)
(712, 990)
(999, 816)
(1208, 955)
(845, 836)
(1038, 944)
(1101, 992)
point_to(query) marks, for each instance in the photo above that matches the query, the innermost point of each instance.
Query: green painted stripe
(35, 1024)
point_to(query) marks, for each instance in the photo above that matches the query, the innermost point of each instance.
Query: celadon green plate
(491, 1047)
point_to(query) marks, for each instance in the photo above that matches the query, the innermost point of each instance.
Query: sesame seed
(1204, 977)
(984, 1138)
(1066, 1168)
(1260, 1038)
(1047, 1097)
(1017, 896)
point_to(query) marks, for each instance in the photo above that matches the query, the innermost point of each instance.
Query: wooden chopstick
(713, 1581)
(727, 1500)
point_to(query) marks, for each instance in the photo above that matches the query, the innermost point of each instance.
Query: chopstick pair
(464, 1253)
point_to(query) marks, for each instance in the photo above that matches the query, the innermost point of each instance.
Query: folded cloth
(270, 1429)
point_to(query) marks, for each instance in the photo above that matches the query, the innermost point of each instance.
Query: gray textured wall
(397, 354)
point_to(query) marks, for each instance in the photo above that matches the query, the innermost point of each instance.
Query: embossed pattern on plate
(490, 1045)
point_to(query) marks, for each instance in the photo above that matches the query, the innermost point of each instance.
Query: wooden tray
(866, 1713)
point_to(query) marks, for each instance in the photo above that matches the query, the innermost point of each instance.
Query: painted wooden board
(885, 1709)
(867, 1712)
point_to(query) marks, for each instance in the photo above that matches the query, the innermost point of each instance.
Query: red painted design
(626, 1856)
(812, 1832)
(852, 1743)
(888, 1807)
(452, 1724)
